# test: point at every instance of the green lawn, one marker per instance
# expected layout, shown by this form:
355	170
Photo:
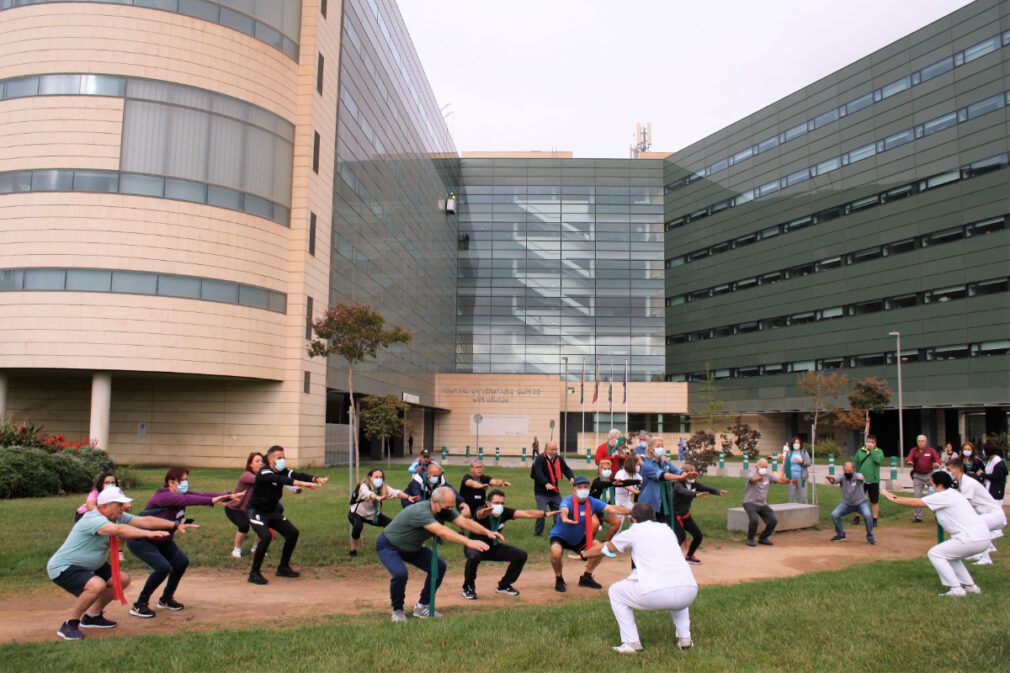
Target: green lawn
882	618
321	516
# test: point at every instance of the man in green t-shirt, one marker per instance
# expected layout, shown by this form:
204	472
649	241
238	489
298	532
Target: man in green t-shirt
867	461
402	542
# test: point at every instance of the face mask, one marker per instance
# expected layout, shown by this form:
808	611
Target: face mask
183	486
796	445
581	494
849	475
660	452
606	474
497	509
434	480
279	464
377	482
762	471
967	452
691	481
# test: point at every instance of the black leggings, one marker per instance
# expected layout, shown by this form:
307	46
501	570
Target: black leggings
358	523
685	525
261	524
239	518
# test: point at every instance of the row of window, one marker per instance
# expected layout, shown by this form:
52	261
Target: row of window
918	77
966	172
932	354
141	282
939	237
907	300
273	22
115	182
892	141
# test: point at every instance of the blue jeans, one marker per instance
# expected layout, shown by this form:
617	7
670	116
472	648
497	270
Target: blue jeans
844	510
166	560
395	562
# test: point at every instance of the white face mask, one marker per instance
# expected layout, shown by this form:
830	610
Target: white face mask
660	452
606	474
796	445
582	494
966	452
377	482
762	471
497	509
434	481
691	481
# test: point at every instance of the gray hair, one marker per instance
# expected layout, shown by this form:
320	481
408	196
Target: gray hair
442	493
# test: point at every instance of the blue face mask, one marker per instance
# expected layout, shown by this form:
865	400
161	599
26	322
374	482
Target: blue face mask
279	465
183	486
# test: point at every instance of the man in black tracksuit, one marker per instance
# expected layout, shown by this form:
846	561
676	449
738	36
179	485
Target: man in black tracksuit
684	493
547	470
265	511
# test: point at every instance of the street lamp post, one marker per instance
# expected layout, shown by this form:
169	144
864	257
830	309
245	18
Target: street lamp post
564	437
901	403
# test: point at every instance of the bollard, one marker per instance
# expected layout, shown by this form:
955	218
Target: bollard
444	454
524	455
497	455
746	463
831	464
434	575
894	471
722	460
589	456
775	463
480	453
468	453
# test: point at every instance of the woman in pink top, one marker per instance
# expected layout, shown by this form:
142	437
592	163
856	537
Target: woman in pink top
235	511
104	479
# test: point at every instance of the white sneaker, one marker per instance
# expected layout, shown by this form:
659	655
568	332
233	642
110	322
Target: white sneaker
984	560
628	648
253	550
399	616
973	588
685	643
423	612
956	592
237	552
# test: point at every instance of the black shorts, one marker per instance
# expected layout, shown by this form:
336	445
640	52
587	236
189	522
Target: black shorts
238	518
565	544
872	492
74	578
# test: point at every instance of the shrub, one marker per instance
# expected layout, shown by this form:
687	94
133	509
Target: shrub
701	451
74	474
96	460
27	473
126	477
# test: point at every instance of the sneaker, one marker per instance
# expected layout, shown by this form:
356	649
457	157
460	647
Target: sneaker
628	648
287	571
559	585
399	616
693	559
856	520
141	610
916	520
98	622
984	561
169	604
968	588
69	630
871	540
252	550
236	552
685	643
586	580
508	589
352	553
751	542
875	523
838	538
765	541
956	592
469	593
257	578
424	612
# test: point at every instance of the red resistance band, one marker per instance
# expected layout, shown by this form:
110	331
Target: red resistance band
554	471
117	580
588	516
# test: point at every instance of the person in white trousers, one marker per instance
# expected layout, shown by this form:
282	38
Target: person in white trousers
984	505
660	580
969	535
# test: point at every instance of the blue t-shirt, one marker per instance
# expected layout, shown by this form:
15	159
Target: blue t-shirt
84	546
651	474
574	533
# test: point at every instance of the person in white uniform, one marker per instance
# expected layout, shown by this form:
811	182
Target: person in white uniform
983	503
660	580
969	535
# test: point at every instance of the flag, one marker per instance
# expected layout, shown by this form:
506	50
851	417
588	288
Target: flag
610	385
596	385
582	384
625	381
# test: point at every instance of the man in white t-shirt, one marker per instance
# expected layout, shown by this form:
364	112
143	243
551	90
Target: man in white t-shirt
660	580
987	507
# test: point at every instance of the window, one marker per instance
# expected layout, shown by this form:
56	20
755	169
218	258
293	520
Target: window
829	263
988	287
986	106
984	227
831	363
861	153
748	372
315	151
981	49
768	188
89	280
946	294
57	85
871	360
937	69
745	284
52	181
776	323
827	166
45	279
898	193
898	247
745	240
990	348
11	279
828	214
219	290
831	313
801	270
802	318
802	366
134	282
796	131
859	103
867	307
826	118
945	236
720	289
178	286
940	180
984	166
748	327
308	318
766	145
320	66
797	177
903	301
141	185
896	87
948	352
743	155
312	234
307	383
771	278
898	139
939	124
95	181
718	166
770	232
21	87
863	204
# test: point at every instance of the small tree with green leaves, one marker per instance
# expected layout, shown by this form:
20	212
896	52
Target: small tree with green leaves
701	450
383	417
869	395
354	332
822	390
746	438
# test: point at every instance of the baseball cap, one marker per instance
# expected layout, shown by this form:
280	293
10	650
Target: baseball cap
112	494
425	452
580	480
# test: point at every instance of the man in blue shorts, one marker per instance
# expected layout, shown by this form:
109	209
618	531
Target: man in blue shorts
579	518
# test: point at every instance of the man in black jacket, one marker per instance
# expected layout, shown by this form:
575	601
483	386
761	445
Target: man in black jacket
546	472
265	512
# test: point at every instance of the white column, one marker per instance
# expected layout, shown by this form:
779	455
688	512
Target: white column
101	401
3	396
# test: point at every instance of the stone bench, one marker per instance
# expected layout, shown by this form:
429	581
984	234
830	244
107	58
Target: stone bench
791	516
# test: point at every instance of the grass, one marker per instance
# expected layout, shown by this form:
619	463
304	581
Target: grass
879	618
320	515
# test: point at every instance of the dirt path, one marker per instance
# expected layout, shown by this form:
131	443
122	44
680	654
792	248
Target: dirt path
224	600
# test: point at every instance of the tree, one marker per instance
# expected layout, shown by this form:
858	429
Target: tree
821	390
354	332
382	417
746	438
867	395
701	451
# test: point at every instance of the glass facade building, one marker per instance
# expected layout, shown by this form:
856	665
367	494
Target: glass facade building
560	259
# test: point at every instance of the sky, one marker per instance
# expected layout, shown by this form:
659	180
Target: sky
519	75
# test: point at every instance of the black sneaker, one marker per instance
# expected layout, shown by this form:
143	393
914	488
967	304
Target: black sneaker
170	604
751	542
693	559
469	593
587	581
141	610
353	552
874	523
99	622
838	538
287	571
508	589
856	519
70	630
765	541
257	578
559	585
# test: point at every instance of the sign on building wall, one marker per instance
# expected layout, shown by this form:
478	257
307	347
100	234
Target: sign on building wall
501	425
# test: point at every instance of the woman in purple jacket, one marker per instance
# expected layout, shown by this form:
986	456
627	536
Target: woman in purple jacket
162	554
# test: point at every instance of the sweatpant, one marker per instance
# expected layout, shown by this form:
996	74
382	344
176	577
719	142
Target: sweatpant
166	560
767	515
261	524
626	597
682	526
798	491
545	503
844	509
514	556
948	560
395	561
920	484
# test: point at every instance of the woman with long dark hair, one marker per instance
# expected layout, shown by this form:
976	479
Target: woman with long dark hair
235	510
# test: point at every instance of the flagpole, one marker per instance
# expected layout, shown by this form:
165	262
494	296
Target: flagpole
582	402
627	427
596	401
610	393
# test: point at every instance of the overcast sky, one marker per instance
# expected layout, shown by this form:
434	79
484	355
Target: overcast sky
578	74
